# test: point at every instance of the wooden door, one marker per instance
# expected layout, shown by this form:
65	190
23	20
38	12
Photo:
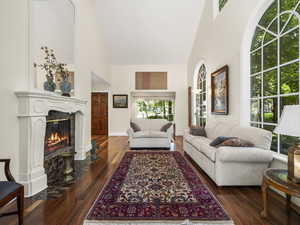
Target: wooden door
99	113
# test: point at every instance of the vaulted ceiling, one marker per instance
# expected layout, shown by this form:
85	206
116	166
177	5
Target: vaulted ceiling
149	31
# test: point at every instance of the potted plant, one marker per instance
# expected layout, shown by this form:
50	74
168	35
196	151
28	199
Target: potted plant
50	68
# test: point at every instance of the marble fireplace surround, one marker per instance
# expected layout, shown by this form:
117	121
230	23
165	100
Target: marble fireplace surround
32	111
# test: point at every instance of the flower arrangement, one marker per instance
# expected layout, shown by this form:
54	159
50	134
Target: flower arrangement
51	66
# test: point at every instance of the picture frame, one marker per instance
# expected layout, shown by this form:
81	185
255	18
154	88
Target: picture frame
220	91
120	101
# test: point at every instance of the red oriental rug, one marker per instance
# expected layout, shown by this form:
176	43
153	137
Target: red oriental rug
156	188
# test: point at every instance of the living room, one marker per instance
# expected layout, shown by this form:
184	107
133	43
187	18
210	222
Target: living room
150	112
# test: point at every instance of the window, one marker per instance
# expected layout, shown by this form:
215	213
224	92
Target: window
200	113
155	109
275	68
222	3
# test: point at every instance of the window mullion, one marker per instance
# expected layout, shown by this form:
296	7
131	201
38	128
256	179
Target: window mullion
278	76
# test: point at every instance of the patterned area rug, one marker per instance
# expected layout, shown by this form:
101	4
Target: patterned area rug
156	188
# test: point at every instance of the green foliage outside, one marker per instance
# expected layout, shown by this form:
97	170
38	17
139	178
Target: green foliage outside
272	64
155	109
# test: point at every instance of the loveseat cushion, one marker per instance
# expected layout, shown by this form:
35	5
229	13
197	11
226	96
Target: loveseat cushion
202	145
7	187
243	154
150	134
188	137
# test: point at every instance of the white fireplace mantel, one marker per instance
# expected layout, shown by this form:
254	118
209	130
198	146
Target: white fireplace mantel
32	112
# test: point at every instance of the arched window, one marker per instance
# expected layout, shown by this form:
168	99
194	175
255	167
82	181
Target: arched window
200	113
275	68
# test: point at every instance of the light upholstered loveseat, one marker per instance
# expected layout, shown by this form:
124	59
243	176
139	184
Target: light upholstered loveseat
150	135
231	166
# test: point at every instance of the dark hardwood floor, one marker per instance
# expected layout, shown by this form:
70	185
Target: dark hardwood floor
243	204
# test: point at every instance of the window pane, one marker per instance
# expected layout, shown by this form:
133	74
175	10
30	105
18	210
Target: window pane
287	5
204	86
270	110
255	111
274	26
289	47
289	78
283	19
257	39
268	37
270	55
288	100
256	86
270	83
269	15
274	145
286	142
292	23
256	61
255	125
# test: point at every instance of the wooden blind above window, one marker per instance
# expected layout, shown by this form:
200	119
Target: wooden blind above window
151	80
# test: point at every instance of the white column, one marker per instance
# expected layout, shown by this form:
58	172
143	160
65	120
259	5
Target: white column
32	135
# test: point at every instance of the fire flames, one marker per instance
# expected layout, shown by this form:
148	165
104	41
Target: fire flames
55	139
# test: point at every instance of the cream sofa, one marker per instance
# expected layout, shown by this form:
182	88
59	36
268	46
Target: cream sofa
231	166
150	136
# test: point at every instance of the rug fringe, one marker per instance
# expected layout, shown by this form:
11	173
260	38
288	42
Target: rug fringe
186	222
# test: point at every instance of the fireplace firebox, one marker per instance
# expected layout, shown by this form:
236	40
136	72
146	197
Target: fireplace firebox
59	139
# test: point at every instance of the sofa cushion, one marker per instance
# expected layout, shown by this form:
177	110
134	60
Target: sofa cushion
244	154
198	131
135	127
236	142
150	124
202	145
259	137
219	140
150	134
210	128
166	127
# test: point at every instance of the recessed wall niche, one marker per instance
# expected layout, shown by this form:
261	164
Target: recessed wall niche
52	25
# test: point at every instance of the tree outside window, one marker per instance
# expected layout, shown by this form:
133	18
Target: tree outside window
275	68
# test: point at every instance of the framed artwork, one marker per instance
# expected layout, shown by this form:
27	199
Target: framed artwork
120	101
219	92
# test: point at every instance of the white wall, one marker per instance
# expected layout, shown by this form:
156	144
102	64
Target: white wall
89	54
13	75
123	82
53	24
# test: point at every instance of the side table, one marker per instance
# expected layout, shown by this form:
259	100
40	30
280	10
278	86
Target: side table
278	179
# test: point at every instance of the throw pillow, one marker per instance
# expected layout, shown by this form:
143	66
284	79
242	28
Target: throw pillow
236	142
166	127
198	131
135	127
219	140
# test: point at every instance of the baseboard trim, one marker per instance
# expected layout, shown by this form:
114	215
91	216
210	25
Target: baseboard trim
118	134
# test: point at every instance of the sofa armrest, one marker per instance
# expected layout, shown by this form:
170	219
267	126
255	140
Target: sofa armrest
243	154
130	133
171	133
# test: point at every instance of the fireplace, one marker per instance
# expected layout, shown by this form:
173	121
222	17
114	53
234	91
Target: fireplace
59	138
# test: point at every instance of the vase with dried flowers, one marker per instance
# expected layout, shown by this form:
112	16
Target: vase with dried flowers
50	67
65	85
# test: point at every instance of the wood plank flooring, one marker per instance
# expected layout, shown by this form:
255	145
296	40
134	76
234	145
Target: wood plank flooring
243	204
